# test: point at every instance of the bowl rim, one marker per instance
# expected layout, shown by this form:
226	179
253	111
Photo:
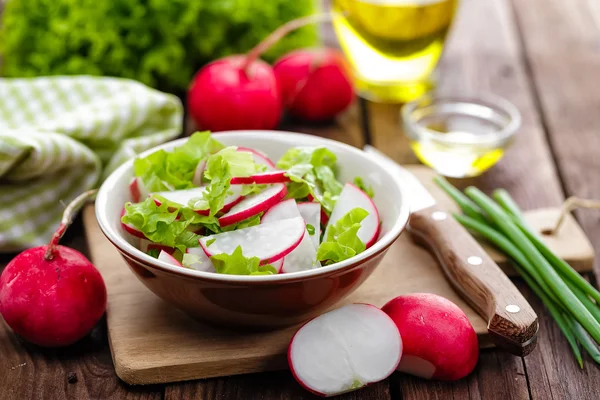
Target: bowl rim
132	252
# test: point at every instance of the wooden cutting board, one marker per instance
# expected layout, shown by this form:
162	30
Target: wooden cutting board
152	342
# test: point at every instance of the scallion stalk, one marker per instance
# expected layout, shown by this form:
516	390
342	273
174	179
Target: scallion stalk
586	342
466	205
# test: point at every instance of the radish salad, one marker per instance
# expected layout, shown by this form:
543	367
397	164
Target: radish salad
233	210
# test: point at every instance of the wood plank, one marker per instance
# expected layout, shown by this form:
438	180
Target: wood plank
483	55
569	102
30	372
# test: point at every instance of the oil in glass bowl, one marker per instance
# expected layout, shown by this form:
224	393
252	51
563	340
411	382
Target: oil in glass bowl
460	137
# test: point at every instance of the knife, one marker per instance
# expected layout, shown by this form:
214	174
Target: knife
512	323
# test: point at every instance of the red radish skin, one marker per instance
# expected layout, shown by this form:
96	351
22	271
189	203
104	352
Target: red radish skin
147	245
259	158
168	258
439	341
52	295
228	95
132	230
355	320
315	85
264	178
251	205
138	190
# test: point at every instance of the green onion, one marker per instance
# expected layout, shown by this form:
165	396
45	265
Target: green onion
506	201
585	300
465	204
506	224
586	342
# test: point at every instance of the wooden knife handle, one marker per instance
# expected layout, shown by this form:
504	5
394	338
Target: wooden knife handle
512	323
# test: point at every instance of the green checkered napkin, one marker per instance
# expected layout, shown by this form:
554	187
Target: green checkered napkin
60	136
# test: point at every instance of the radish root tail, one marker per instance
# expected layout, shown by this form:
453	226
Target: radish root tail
280	32
67	218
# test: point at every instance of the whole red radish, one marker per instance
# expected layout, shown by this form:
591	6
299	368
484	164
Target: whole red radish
241	91
438	340
315	85
52	295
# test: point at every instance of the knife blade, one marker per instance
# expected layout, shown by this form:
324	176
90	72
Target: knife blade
512	323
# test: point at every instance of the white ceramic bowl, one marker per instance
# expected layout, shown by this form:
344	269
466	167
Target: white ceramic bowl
264	300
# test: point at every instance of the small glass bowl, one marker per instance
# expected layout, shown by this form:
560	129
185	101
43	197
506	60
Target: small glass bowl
460	137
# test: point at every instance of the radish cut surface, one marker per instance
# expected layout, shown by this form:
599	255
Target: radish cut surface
254	204
345	349
166	257
259	158
182	197
202	263
198	172
283	210
263	178
304	257
268	242
138	190
311	212
352	197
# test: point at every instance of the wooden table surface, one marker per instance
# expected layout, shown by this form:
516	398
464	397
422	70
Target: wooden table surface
543	55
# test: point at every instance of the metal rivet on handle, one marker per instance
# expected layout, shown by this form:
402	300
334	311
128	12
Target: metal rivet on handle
474	260
439	215
512	308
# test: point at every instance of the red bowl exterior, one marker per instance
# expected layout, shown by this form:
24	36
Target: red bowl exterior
261	305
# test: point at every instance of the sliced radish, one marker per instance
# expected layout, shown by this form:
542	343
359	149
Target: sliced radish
324	216
202	263
184	196
352	197
259	157
304	257
254	204
311	212
268	242
132	230
166	257
282	210
345	349
138	190
278	265
147	245
198	172
263	178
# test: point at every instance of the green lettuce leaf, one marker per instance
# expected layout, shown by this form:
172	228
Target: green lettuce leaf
342	241
161	225
312	171
174	170
236	264
358	181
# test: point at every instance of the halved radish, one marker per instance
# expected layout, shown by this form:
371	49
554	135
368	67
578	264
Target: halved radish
254	204
132	230
138	190
283	210
345	349
166	257
198	172
202	262
184	196
352	197
304	257
311	212
268	242
259	157
147	245
263	178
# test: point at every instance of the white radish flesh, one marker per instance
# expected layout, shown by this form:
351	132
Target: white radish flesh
263	178
166	257
345	349
198	172
311	212
268	242
183	197
138	190
259	158
278	265
201	261
254	204
352	197
303	258
282	210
